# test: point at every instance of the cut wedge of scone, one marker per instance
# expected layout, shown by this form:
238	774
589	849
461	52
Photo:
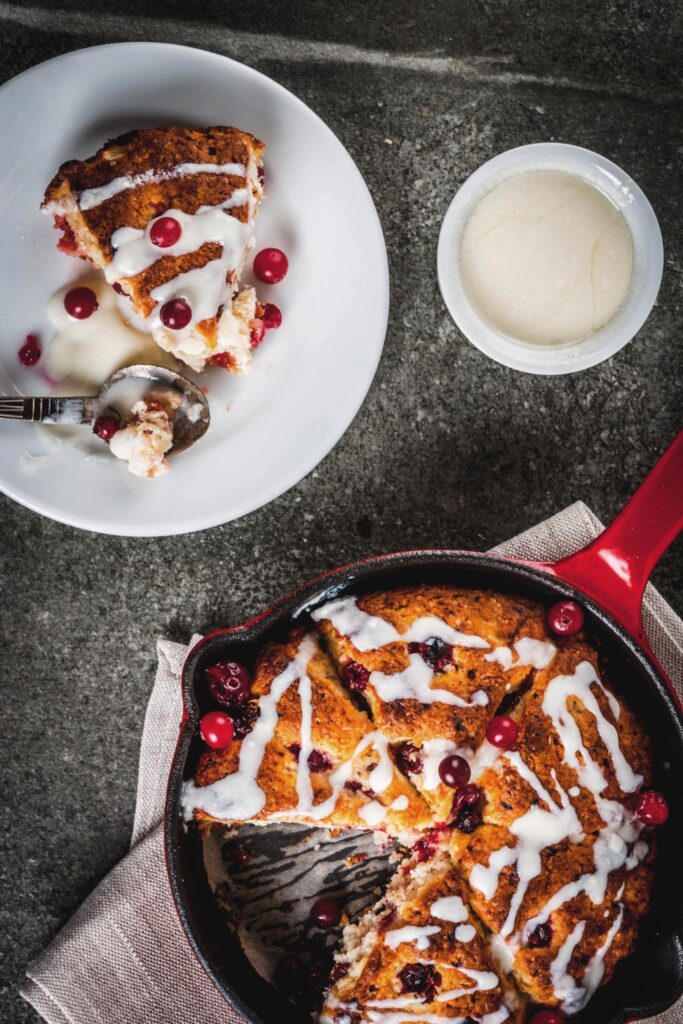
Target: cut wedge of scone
311	755
419	956
563	915
433	664
168	214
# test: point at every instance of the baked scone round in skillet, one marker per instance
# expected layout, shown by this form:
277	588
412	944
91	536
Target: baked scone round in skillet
547	853
114	209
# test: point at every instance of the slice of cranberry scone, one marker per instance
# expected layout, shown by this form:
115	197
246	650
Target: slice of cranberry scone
168	214
434	663
419	955
563	915
306	755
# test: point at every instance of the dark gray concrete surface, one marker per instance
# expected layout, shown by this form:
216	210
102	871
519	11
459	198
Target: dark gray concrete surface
449	448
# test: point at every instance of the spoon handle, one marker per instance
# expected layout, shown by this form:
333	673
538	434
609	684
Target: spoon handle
47	410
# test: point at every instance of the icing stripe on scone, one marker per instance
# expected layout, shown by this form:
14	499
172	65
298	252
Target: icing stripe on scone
92	197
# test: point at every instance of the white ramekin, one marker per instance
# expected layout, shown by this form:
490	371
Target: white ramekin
648	256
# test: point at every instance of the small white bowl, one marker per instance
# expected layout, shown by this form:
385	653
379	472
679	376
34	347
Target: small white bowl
648	259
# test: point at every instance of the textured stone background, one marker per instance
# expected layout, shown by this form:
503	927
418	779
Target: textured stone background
449	448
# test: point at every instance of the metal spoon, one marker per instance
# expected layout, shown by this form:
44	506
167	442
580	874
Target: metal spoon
86	410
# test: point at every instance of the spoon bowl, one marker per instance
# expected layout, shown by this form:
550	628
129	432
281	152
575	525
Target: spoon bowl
191	418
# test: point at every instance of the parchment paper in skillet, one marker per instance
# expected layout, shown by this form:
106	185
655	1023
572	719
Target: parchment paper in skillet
266	881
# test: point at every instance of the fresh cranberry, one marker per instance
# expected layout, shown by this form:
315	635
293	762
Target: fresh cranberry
468	820
502	731
355	676
325	914
435	652
217	730
222	359
80	303
540	936
319	761
229	683
387	919
467	796
257	333
408	759
244	718
175	314
30	351
67	243
423	979
272	317
650	807
105	427
270	265
548	1017
340	970
454	771
565	618
425	848
165	232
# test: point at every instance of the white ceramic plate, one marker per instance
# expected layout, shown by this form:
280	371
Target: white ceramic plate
309	377
648	258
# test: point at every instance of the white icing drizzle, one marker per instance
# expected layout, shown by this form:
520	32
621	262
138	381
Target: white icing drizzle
535	830
484	982
596	968
370	632
238	796
555	705
135	252
449	908
428	626
366	632
411	933
465	933
536	653
373	812
564	985
92	197
413	683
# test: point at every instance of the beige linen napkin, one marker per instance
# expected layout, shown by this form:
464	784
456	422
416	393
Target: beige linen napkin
123	958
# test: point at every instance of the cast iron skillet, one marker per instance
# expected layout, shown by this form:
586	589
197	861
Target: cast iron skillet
608	577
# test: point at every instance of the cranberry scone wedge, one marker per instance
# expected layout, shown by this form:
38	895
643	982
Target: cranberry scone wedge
168	215
419	956
434	663
303	753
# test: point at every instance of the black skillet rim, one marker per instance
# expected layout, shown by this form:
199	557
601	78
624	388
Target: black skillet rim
264	1005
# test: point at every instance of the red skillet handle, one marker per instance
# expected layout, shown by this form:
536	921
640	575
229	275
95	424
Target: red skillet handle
614	568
